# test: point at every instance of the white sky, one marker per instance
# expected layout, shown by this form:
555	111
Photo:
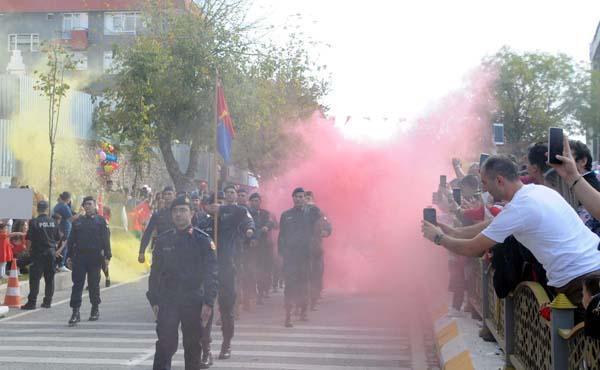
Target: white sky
395	58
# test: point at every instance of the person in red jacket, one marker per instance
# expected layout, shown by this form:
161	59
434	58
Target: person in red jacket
6	254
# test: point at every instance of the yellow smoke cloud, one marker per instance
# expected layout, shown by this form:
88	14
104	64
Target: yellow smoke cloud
74	171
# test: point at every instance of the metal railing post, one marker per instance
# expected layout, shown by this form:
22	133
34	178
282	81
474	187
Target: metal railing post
562	318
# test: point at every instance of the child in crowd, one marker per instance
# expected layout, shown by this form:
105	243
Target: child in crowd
18	243
5	249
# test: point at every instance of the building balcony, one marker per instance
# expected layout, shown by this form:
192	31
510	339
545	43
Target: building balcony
76	39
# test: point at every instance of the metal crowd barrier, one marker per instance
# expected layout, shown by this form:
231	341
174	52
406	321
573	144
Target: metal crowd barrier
529	341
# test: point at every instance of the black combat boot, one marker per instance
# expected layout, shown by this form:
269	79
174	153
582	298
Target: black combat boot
288	318
28	306
47	303
303	314
75	317
95	313
225	350
207	359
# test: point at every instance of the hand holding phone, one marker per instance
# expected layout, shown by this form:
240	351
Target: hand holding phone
442	181
555	144
457	195
482	158
429	215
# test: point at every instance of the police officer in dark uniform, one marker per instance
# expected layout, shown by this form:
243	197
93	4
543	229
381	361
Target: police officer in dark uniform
317	261
89	248
234	222
42	238
296	233
262	246
205	222
201	218
182	287
160	221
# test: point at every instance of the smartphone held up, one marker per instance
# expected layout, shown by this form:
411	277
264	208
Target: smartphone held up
555	144
429	215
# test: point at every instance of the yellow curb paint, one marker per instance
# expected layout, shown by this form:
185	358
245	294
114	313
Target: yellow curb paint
439	312
460	362
446	334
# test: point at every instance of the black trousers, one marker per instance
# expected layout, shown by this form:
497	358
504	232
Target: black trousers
316	277
86	265
41	265
227	296
167	327
264	269
296	274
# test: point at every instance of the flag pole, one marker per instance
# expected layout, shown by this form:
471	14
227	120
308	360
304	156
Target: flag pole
215	165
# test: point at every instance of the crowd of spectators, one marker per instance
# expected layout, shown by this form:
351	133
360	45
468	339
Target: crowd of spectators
532	220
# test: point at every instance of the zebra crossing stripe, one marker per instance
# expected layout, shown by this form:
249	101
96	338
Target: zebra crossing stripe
147	353
278	343
217	364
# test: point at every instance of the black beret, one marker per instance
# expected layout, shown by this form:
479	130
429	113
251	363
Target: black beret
42	205
242	190
254	196
168	188
220	195
194	195
181	201
297	190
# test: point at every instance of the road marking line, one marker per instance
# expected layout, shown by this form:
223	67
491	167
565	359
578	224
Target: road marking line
239	333
218	364
68	299
149	352
246	326
30	339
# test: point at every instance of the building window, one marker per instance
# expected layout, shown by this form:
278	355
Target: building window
121	23
81	61
50	16
74	22
24	42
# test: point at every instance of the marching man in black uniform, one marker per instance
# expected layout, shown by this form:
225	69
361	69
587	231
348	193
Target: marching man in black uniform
234	222
182	288
88	249
159	223
262	246
296	235
42	238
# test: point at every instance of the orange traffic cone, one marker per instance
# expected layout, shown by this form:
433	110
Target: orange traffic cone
13	291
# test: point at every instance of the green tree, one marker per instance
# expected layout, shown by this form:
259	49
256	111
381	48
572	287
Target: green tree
163	90
51	84
535	91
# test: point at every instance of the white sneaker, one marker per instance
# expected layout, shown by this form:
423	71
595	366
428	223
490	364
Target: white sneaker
64	269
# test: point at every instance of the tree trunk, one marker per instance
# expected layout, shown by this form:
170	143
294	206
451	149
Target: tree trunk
180	180
51	171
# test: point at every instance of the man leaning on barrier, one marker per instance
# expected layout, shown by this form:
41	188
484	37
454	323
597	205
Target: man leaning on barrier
539	218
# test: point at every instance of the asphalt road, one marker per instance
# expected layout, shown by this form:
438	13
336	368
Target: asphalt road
347	332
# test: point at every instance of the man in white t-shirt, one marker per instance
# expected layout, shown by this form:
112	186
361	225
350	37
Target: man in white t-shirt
539	218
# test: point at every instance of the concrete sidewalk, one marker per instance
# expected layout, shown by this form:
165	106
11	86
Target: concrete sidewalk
62	281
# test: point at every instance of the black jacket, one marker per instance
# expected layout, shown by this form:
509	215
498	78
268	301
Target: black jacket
43	234
184	268
297	232
234	220
90	234
160	221
513	263
204	222
262	218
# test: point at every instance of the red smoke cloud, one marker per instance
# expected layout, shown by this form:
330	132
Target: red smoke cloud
374	192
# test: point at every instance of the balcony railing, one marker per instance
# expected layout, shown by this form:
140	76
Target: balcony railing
529	341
